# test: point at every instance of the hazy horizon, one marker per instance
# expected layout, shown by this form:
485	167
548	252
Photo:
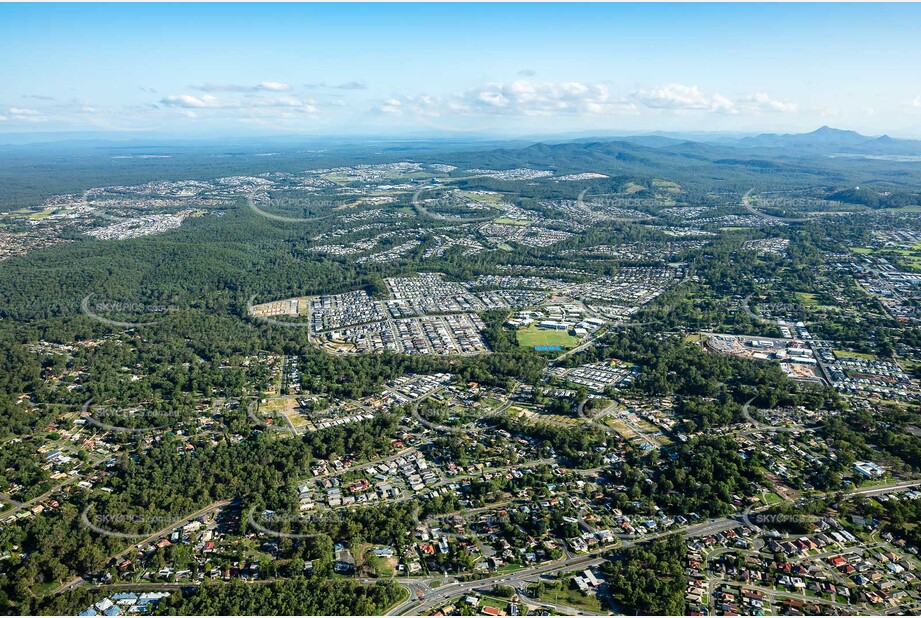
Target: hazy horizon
139	138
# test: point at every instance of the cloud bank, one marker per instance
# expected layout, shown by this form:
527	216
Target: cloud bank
529	98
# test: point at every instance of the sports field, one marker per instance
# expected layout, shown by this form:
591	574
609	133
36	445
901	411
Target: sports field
532	336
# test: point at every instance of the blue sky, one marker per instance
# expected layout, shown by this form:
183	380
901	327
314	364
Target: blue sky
215	69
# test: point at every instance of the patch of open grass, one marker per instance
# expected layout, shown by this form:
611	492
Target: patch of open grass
564	595
487	600
534	336
633	187
43	214
807	299
279	405
489	198
668	185
860	355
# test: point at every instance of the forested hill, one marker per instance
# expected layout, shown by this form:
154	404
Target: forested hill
31	173
690	163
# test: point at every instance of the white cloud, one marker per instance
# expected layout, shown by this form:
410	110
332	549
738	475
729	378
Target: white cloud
3	118
306	106
250	105
23	111
492	99
187	100
518	98
722	104
916	102
392	106
530	98
26	114
678	97
274	86
260	87
760	102
289	101
682	98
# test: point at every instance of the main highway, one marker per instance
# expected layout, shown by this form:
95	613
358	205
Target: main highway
424	598
429	593
433	598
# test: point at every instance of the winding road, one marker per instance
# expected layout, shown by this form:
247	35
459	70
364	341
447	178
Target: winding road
746	204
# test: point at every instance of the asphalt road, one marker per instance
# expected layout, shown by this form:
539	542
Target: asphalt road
429	593
435	597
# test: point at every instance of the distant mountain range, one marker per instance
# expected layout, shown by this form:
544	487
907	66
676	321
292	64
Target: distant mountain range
827	140
823	142
826	157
